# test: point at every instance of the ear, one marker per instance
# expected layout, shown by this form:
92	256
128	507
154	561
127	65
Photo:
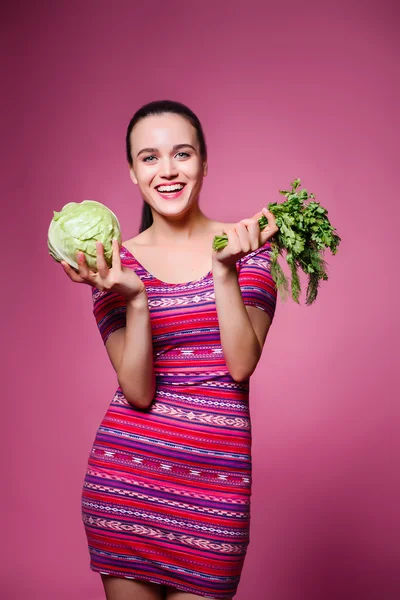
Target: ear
205	168
132	175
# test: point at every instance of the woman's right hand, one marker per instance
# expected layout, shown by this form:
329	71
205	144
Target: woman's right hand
118	279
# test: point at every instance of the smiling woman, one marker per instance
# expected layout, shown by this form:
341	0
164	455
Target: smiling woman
166	494
177	147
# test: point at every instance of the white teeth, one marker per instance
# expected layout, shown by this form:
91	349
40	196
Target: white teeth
170	188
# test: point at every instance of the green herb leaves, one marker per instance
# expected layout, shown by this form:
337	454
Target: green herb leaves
304	233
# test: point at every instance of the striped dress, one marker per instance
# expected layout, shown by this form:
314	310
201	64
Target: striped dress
166	494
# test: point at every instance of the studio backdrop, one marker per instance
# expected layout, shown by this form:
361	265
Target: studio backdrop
283	90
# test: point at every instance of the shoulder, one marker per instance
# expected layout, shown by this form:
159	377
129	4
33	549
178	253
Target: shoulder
258	259
143	239
219	227
137	240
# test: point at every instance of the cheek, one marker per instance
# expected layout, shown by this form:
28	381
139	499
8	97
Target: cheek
145	174
194	171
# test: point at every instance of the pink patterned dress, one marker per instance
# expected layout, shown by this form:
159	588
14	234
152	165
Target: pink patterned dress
166	495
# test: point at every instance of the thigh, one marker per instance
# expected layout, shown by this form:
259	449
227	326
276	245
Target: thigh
121	588
174	594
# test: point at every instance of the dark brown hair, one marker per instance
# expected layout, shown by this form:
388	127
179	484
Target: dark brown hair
160	107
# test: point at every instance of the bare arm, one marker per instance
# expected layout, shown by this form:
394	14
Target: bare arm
129	346
243	330
131	353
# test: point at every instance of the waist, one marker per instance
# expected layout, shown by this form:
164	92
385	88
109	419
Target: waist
197	377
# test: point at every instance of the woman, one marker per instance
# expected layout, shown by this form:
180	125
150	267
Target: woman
166	496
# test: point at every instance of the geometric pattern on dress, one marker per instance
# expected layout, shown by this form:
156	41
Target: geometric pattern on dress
166	493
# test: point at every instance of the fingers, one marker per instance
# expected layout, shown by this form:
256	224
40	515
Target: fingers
257	215
233	241
243	236
271	229
102	266
253	233
249	233
86	274
72	274
116	258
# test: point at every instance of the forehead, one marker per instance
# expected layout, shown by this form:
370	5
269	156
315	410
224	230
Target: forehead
162	130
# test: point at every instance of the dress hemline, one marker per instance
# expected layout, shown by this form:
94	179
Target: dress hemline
178	586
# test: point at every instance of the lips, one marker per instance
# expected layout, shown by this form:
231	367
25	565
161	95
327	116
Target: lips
170	191
166	188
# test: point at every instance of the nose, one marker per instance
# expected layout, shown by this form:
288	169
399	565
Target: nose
168	168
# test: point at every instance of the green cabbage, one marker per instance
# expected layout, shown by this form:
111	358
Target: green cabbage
77	227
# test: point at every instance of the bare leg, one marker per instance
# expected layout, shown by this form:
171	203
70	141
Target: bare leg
121	588
173	594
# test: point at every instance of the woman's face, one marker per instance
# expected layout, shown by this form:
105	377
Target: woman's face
167	165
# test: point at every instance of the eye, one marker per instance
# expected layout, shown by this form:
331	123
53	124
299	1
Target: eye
147	159
183	154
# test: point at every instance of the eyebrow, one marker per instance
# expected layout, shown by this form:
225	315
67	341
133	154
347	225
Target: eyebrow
176	147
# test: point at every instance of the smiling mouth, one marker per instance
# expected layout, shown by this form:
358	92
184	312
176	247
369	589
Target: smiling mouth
170	189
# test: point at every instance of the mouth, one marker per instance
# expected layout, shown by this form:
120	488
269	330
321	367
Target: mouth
170	191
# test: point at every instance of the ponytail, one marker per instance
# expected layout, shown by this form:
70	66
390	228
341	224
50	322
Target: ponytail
147	217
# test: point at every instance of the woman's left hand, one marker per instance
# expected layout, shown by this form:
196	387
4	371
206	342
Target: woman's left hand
245	237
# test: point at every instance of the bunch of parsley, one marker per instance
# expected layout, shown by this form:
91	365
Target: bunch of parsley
304	233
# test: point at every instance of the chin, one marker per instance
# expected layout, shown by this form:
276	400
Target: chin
172	206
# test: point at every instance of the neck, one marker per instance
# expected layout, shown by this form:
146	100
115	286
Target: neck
167	230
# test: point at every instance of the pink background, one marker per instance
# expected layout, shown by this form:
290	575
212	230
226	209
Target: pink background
284	90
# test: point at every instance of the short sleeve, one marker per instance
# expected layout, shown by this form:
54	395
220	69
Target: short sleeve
255	280
109	310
